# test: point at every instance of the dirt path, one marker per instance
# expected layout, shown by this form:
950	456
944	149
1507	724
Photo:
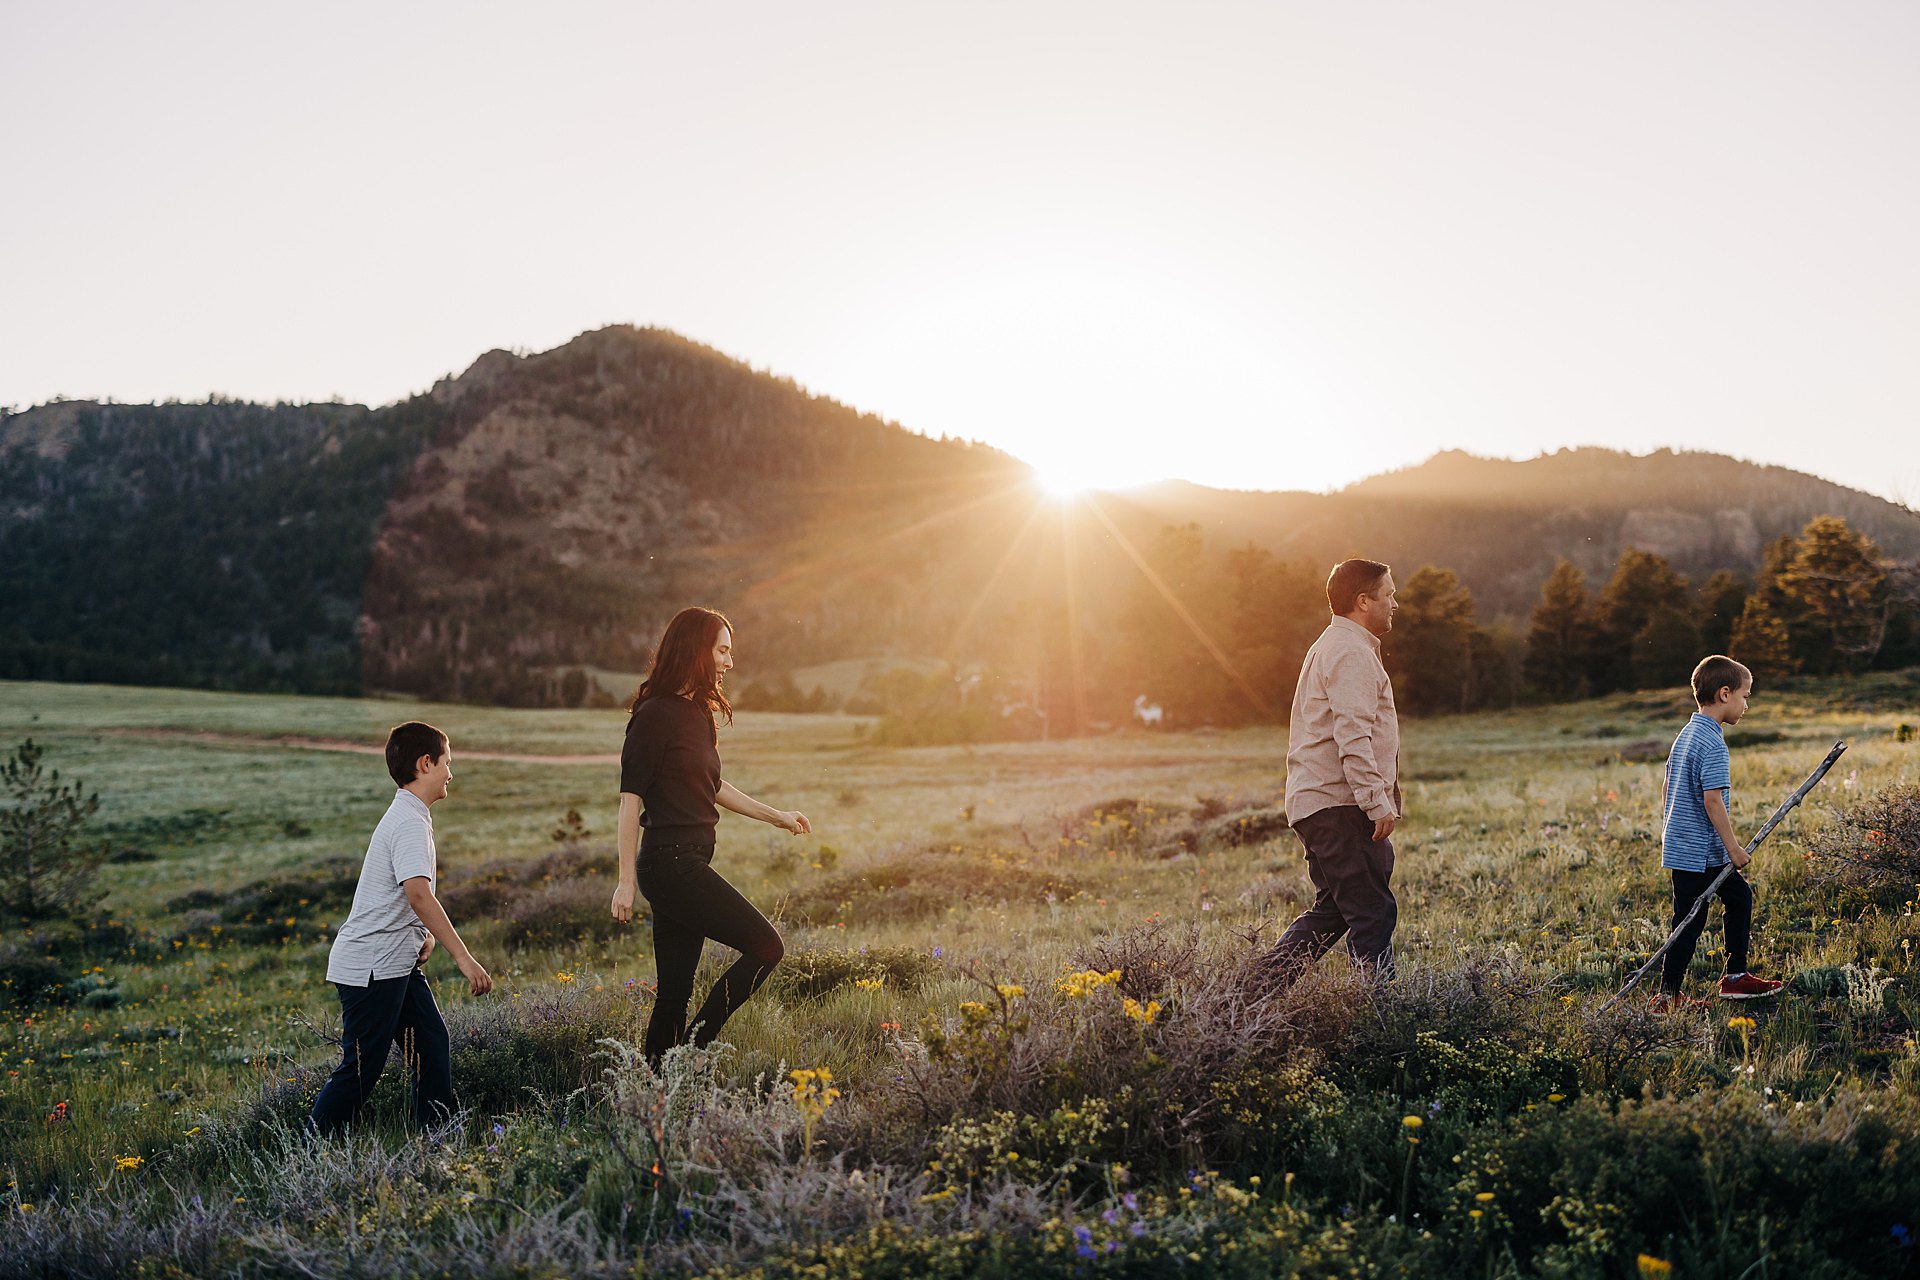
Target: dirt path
294	742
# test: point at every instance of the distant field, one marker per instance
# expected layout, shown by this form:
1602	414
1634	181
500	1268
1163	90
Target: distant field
1529	838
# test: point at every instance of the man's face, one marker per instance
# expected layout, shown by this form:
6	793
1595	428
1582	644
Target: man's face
432	779
1376	607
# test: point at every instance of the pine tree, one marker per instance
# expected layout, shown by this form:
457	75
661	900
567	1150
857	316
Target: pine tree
1721	599
1559	641
44	870
1642	584
1837	578
1429	650
1760	641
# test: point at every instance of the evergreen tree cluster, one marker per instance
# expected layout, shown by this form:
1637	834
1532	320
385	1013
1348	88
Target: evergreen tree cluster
1825	601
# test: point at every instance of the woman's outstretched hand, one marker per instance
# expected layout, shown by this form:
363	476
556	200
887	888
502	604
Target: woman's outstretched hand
795	821
623	902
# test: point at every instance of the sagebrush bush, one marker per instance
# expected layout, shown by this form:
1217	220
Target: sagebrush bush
293	904
565	911
1871	853
807	972
1714	1182
552	900
925	882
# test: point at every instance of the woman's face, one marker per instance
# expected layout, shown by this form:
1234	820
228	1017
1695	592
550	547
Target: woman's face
722	654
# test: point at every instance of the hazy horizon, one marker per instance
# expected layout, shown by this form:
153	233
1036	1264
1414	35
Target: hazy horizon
1275	247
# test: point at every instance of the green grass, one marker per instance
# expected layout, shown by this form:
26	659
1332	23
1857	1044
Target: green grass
1530	839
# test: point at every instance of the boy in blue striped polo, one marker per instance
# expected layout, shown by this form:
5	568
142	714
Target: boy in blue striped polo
1697	837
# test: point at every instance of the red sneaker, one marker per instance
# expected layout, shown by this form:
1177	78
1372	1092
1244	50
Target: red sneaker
1748	987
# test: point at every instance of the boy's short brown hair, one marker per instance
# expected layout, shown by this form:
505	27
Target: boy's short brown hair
406	743
1715	673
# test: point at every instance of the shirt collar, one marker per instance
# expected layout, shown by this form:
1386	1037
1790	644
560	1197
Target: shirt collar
1357	629
402	796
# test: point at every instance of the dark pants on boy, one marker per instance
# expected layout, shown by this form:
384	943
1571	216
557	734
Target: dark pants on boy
1350	872
372	1018
1738	900
691	902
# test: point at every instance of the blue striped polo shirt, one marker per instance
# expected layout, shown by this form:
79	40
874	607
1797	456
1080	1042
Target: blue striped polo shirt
1698	764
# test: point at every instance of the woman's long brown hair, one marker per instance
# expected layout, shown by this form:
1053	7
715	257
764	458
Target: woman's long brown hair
683	664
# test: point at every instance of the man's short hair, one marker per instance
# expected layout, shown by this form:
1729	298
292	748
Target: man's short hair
1715	673
407	743
1350	580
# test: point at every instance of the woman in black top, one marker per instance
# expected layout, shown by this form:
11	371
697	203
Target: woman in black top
670	787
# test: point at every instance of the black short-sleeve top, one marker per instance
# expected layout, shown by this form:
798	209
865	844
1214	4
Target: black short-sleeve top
672	762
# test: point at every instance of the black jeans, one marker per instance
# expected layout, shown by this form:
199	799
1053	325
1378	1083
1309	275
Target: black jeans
372	1018
691	903
1738	898
1350	872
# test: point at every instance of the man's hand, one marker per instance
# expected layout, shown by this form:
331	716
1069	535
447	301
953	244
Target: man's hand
623	902
426	949
796	822
1383	827
478	979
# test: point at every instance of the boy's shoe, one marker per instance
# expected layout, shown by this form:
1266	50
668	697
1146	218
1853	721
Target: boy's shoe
1674	1002
1748	987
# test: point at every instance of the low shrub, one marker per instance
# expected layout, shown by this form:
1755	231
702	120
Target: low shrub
927	882
562	912
1871	853
807	973
313	898
555	899
30	978
1716	1182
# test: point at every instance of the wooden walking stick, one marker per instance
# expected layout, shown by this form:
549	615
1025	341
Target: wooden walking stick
1700	903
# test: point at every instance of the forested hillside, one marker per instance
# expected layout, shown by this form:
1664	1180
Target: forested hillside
220	544
543	514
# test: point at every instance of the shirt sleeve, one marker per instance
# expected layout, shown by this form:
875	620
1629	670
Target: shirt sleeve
412	852
641	754
1353	696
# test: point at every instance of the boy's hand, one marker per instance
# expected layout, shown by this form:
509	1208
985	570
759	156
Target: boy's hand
1741	858
426	949
478	979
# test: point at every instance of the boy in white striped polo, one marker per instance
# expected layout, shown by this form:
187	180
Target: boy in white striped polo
1697	836
379	950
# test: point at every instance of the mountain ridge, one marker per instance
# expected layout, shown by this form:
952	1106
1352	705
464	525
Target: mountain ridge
549	510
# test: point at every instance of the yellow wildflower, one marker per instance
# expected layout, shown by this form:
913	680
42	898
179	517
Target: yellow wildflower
1412	1122
128	1164
1144	1014
1653	1267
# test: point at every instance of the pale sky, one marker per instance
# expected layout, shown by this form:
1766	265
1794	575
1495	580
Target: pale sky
1264	245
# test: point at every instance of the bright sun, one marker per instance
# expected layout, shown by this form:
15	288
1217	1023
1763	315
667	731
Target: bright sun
1059	485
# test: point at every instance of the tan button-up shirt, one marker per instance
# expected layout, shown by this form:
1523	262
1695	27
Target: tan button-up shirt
1343	738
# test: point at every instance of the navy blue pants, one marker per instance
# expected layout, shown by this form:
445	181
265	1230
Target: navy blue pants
691	903
1350	872
373	1018
1737	896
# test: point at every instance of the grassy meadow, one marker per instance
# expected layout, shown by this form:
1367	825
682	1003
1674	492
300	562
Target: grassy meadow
1031	970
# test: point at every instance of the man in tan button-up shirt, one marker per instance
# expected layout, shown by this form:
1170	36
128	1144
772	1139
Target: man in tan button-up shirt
1343	777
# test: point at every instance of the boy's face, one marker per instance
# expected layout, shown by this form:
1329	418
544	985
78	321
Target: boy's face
432	779
1732	703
